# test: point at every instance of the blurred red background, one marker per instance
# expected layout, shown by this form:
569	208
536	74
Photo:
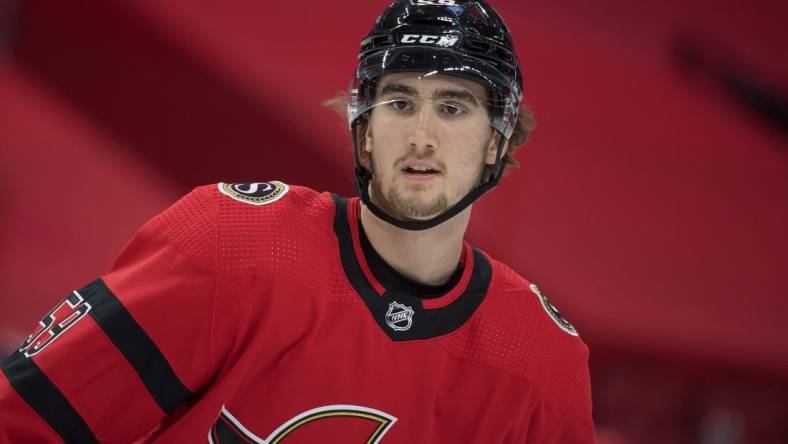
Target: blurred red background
651	205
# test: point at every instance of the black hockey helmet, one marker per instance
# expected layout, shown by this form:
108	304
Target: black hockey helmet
461	38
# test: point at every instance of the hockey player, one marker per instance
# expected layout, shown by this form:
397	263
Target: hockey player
269	313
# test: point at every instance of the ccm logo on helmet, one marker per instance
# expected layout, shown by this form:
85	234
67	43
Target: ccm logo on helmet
439	40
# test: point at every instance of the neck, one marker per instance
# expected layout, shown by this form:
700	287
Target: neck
429	256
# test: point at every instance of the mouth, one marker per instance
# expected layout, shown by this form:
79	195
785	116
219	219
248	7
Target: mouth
420	172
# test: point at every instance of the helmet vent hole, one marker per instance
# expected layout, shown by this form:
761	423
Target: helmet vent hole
479	14
379	41
382	40
477	46
504	55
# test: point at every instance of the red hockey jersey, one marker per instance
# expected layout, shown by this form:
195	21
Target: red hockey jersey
248	313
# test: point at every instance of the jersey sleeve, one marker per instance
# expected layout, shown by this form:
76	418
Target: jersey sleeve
570	429
112	360
567	419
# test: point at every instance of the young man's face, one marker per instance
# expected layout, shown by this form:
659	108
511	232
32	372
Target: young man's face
429	141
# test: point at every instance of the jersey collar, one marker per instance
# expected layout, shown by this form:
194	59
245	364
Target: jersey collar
404	316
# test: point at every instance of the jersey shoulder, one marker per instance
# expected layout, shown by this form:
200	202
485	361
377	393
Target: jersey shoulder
231	227
506	280
517	330
270	199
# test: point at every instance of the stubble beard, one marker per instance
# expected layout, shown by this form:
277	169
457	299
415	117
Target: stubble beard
412	207
407	205
415	208
404	207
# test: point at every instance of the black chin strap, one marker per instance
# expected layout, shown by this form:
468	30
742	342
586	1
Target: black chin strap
364	175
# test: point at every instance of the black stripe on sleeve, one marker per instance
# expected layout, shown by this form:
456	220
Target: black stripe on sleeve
41	394
223	432
139	349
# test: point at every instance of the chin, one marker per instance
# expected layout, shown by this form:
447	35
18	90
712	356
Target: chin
417	208
417	216
409	204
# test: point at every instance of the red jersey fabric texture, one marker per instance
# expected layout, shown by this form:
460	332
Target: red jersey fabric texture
233	321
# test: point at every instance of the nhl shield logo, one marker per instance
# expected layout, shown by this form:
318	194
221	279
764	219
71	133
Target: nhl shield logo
399	317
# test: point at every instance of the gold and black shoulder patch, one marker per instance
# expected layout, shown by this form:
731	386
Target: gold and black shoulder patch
554	313
255	193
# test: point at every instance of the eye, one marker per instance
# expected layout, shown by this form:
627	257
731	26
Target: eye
399	105
452	110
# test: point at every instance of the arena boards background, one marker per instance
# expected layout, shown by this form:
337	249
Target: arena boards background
651	204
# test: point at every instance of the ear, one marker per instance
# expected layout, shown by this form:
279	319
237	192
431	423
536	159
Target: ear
492	149
365	150
368	141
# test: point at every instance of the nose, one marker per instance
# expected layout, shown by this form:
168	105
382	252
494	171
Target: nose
422	135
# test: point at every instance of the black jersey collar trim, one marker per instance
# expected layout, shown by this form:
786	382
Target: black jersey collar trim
391	278
382	302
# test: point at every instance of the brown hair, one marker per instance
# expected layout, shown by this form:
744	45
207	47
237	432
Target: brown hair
522	129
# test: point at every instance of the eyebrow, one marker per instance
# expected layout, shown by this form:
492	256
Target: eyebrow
456	94
392	88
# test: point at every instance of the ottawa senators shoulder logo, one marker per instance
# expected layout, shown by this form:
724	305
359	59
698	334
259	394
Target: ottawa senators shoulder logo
554	313
348	424
255	193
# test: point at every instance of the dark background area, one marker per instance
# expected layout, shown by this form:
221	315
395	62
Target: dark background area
651	204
